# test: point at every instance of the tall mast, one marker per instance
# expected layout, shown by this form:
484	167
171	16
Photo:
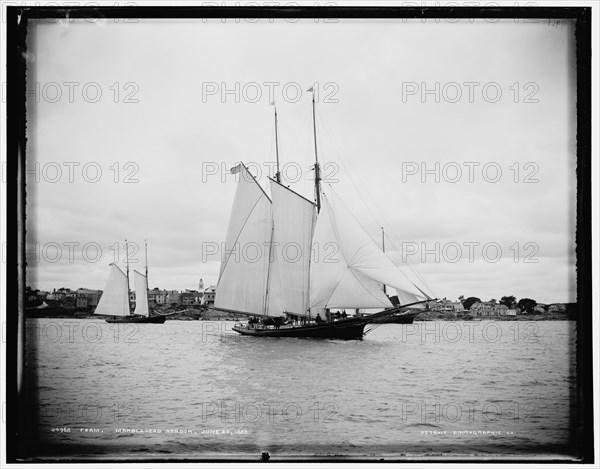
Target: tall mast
147	287
146	250
317	167
127	263
266	308
383	246
277	174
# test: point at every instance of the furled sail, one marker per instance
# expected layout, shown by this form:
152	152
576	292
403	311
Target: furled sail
294	220
245	264
115	298
141	294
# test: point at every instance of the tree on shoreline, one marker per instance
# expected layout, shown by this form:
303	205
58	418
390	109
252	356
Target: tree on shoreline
470	302
508	301
527	305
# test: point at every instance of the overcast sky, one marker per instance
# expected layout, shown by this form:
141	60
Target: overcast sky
162	111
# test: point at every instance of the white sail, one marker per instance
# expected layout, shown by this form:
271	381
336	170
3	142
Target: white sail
359	291
334	283
244	273
275	305
294	220
141	294
115	297
363	254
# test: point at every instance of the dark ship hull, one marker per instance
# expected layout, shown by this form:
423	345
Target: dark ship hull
345	329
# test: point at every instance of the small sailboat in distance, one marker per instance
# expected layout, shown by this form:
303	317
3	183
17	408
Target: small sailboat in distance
288	291
114	301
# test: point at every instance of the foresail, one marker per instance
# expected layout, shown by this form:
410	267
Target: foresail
294	220
357	291
333	281
244	273
141	294
115	297
363	254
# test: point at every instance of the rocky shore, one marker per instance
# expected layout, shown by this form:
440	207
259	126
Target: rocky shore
438	316
174	312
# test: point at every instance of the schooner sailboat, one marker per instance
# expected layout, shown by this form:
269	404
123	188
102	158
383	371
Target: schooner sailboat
289	261
115	297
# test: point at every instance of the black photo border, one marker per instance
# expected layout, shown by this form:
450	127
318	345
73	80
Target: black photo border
17	436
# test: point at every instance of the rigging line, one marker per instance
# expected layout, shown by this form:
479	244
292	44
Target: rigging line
385	223
294	143
267	289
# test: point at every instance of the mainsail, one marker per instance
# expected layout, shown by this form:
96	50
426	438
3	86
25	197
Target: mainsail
246	262
115	298
294	220
141	294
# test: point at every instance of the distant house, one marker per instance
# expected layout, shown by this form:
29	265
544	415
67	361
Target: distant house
173	297
187	298
446	306
489	308
554	308
157	296
209	296
195	295
86	297
484	308
511	312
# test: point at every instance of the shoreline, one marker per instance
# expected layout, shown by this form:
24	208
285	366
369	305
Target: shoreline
202	314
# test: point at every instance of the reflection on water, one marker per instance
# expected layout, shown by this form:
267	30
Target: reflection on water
196	388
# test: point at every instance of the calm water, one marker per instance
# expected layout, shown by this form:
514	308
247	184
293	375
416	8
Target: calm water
418	390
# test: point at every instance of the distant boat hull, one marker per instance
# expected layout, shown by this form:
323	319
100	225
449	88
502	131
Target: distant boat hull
138	319
345	329
36	304
399	318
